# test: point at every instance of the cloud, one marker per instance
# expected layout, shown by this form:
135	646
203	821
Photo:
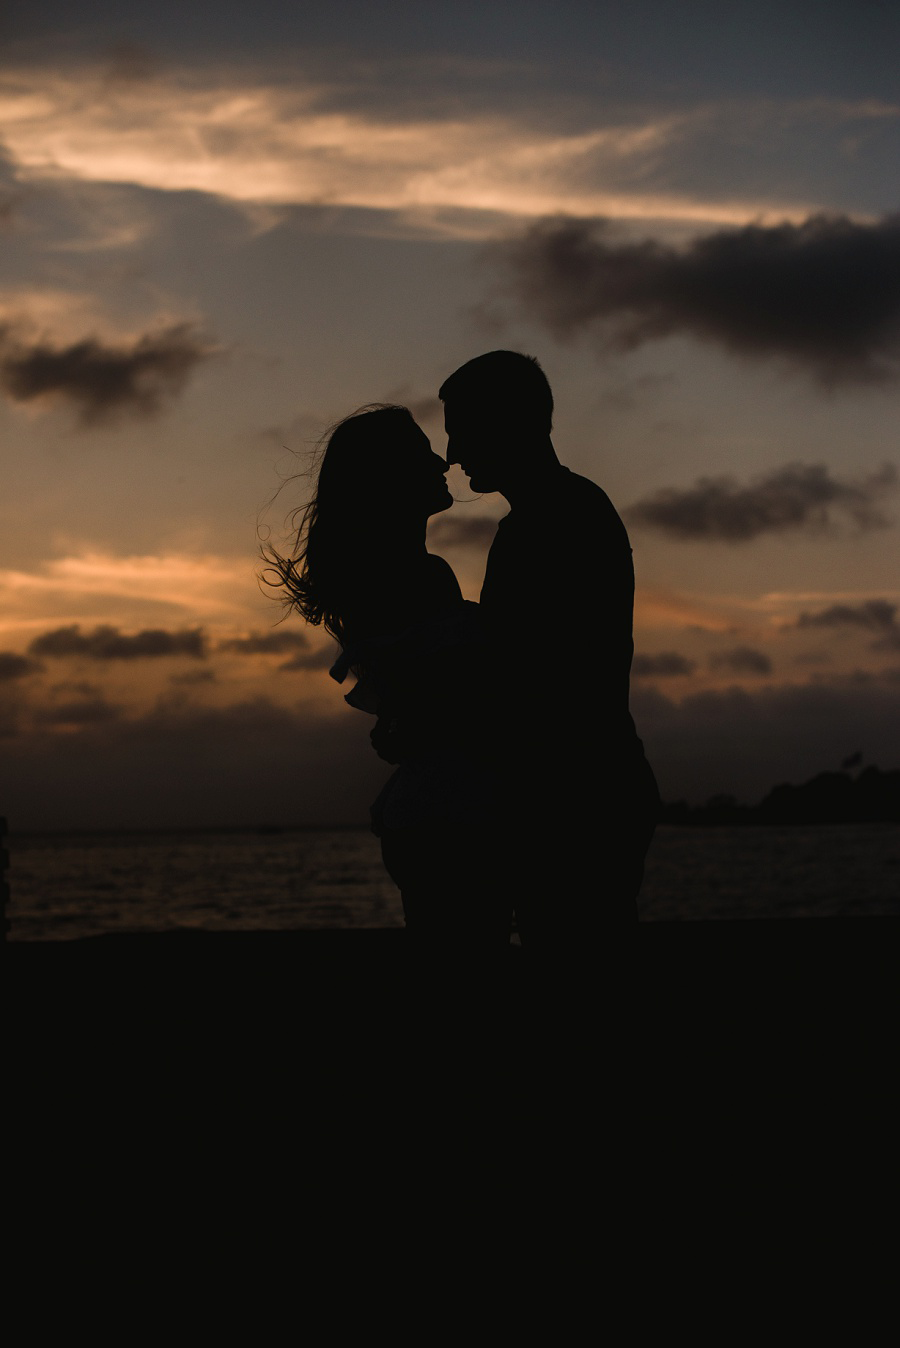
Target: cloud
630	393
667	664
321	139
193	677
739	741
741	660
128	62
305	656
95	584
454	530
657	607
82	712
102	380
244	764
109	643
875	615
812	658
266	643
13	666
798	497
823	294
12	723
257	762
309	661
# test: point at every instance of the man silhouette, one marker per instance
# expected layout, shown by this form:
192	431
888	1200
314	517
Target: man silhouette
579	800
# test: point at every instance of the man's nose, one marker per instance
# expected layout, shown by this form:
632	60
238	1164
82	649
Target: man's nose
452	456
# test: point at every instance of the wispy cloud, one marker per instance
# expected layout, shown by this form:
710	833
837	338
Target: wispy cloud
822	294
310	143
797	497
202	587
665	608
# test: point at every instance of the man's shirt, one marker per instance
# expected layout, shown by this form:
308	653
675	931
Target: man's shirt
557	601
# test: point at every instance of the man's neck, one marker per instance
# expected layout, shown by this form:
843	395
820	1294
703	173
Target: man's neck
540	472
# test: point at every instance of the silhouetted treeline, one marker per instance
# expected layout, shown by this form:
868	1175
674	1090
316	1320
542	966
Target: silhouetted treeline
829	798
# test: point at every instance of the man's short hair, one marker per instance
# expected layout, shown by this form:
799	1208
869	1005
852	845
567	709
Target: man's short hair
505	382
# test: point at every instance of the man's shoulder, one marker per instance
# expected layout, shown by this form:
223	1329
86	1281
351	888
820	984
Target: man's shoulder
580	498
580	488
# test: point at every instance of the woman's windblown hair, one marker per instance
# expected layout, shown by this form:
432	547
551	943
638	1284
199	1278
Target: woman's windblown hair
339	526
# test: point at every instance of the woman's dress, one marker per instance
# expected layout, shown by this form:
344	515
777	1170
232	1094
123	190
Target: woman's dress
436	816
416	682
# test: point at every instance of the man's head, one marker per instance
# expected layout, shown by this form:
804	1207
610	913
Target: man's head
498	412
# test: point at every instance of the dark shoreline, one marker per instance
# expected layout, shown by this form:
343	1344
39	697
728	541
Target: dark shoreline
353	940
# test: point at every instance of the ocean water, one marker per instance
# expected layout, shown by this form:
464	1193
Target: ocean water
69	885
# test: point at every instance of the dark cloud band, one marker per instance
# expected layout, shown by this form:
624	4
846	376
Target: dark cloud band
303	656
266	643
14	666
82	712
824	294
109	643
801	497
875	615
666	664
100	380
742	660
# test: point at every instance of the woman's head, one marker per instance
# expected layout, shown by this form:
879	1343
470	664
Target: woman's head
378	482
378	464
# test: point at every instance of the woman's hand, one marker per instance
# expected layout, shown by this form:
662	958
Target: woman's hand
387	739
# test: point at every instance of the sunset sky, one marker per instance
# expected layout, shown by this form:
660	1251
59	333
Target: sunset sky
224	226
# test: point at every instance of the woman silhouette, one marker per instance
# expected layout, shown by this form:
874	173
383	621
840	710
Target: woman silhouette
361	569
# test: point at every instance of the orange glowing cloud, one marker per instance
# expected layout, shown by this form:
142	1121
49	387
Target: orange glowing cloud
94	585
656	608
259	143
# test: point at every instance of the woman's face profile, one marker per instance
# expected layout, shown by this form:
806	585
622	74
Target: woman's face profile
420	474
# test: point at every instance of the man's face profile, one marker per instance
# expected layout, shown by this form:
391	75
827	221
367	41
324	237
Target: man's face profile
474	445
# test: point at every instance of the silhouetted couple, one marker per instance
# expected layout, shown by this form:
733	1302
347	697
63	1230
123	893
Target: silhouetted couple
520	786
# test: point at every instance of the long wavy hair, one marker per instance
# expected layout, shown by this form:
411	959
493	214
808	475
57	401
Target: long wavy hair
340	525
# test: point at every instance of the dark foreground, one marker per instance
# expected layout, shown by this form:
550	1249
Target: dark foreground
756	1009
715	1066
